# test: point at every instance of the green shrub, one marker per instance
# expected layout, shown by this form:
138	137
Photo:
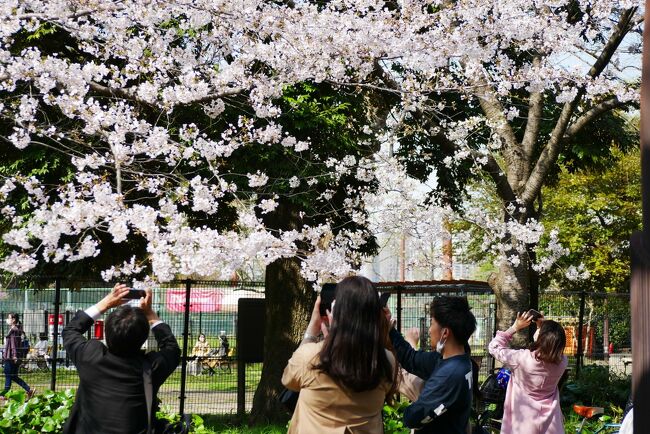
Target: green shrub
572	421
393	416
597	387
197	426
45	413
48	412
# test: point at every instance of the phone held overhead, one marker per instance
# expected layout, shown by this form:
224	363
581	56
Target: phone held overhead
134	294
327	297
535	315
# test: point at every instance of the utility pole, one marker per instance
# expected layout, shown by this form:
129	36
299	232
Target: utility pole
447	250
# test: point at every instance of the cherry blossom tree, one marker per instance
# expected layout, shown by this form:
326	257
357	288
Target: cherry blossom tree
521	83
176	121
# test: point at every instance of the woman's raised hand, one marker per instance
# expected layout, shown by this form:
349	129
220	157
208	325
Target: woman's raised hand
523	320
412	336
315	322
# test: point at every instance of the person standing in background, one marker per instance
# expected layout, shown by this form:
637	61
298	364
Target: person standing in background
11	355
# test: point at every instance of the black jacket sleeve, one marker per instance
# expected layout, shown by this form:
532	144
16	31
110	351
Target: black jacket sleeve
420	363
440	393
74	342
166	359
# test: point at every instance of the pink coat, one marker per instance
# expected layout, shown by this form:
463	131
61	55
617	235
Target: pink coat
532	403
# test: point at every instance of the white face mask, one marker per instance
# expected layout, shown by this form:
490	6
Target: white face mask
9	321
440	346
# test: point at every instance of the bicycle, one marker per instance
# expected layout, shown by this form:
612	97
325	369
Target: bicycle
492	398
589	412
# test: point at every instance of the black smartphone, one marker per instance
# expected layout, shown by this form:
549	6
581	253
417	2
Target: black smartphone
134	294
383	299
536	315
327	297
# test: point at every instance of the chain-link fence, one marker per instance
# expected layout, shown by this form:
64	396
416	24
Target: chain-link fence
206	379
410	303
597	327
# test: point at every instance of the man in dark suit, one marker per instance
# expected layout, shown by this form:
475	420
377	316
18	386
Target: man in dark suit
111	398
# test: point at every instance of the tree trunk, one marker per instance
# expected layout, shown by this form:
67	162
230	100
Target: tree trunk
447	250
511	287
289	302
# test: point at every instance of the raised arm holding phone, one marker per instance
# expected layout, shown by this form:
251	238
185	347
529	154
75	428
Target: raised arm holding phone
344	379
110	398
532	402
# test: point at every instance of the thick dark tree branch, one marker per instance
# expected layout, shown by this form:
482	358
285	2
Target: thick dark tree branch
491	167
533	122
495	113
591	114
552	149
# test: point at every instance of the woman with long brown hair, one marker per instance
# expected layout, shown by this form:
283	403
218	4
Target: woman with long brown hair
532	404
344	379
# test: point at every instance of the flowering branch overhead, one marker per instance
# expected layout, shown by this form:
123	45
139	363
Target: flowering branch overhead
181	125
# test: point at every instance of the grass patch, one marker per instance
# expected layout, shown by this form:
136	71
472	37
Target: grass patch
228	424
221	381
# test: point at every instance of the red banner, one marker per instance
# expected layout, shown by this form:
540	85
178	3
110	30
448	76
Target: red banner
201	300
50	319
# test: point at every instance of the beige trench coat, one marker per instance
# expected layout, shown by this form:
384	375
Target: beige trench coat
325	408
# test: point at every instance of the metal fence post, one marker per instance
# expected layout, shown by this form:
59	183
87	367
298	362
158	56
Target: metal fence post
55	345
186	322
581	322
399	308
45	317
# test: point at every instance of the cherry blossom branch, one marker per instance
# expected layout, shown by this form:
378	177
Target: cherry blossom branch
533	122
552	149
592	114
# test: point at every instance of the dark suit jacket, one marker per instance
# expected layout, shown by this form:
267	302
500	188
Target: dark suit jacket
110	398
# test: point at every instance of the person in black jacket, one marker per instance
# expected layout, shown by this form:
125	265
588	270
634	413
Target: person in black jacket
444	404
110	398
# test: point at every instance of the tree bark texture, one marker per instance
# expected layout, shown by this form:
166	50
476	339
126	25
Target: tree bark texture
511	287
288	306
289	301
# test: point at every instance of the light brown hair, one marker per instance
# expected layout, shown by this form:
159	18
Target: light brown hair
549	346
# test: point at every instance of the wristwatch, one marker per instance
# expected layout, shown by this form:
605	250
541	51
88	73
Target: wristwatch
309	337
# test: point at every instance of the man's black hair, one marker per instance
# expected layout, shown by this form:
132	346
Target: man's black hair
454	313
127	329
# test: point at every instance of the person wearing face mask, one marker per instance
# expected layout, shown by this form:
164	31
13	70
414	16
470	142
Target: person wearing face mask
444	403
10	360
532	404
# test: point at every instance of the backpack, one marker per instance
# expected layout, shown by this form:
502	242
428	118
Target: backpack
23	348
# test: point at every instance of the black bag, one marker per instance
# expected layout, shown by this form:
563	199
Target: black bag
491	391
183	426
288	399
23	348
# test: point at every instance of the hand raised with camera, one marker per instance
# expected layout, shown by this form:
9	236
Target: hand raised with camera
114	298
315	325
523	320
145	305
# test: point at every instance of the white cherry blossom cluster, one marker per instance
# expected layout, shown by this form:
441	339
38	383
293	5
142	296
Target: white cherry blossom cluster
131	59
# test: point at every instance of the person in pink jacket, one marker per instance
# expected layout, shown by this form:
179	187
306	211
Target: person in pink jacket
532	404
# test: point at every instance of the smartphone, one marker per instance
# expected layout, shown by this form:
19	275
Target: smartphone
134	294
536	315
383	299
326	298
